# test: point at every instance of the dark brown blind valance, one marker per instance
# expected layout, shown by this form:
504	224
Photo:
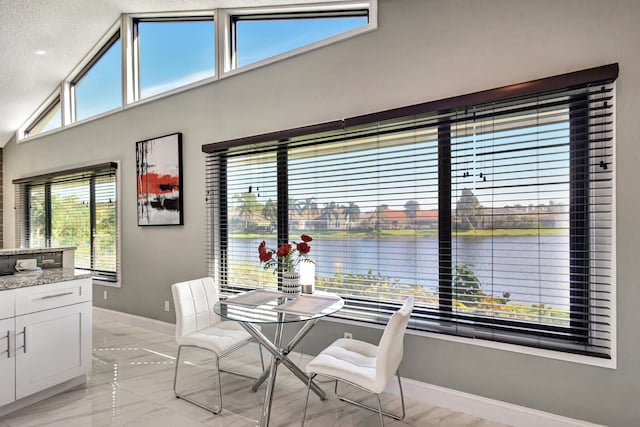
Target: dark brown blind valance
602	74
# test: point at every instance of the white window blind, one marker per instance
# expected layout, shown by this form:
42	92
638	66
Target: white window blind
497	216
72	208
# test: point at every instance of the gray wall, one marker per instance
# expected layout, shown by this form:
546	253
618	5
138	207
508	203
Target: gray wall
423	50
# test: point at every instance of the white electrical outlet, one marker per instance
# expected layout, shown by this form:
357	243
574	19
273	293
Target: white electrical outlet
166	306
348	335
105	294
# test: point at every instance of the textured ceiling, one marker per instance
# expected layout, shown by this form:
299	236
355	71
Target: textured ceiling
65	30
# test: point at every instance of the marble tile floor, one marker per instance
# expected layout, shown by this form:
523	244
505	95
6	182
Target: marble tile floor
131	385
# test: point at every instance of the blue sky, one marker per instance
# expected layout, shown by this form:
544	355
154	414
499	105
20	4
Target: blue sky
258	40
100	90
174	54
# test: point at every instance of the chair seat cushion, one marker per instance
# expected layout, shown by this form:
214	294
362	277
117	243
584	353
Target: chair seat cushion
351	360
218	338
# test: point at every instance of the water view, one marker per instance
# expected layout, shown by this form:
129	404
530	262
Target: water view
531	269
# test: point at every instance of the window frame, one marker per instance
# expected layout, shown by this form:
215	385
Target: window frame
43	110
82	72
229	17
133	60
577	322
123	28
45	181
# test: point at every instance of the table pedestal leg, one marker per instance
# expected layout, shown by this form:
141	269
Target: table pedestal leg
279	356
273	369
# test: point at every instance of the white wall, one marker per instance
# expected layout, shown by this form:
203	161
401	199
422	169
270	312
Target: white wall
423	50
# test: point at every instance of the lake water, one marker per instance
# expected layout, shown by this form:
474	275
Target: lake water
533	269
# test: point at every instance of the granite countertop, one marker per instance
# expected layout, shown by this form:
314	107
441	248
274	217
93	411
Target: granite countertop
43	277
23	251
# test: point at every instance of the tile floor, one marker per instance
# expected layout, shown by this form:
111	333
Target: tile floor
131	385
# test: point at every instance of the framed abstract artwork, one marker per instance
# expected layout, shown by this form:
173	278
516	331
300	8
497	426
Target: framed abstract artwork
159	180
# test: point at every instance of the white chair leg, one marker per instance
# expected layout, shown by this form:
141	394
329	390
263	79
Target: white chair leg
371	408
401	395
261	357
175	372
306	401
219	386
194	402
380	410
203	406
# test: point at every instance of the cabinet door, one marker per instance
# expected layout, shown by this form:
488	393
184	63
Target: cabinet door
7	362
52	346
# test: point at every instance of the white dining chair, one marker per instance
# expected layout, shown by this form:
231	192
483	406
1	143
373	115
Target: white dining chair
364	365
198	326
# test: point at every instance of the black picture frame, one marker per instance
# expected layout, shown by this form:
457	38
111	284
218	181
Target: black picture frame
159	181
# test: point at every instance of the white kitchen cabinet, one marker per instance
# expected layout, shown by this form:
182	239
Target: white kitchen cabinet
7	305
7	362
7	353
52	346
49	332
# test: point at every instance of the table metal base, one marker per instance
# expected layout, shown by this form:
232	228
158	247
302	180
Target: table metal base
279	354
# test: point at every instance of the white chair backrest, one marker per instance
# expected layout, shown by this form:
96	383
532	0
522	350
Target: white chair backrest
391	346
194	300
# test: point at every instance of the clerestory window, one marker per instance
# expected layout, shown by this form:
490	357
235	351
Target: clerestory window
98	86
168	52
173	52
49	119
256	37
496	215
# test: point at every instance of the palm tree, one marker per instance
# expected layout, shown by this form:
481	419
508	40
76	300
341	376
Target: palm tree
247	207
270	211
411	209
351	213
329	213
307	206
380	216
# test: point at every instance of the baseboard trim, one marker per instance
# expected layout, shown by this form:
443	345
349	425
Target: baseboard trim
483	407
134	320
79	381
489	409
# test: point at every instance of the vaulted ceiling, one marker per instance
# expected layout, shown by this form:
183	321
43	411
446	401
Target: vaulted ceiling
42	41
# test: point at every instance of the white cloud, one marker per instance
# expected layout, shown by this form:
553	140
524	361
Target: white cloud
173	84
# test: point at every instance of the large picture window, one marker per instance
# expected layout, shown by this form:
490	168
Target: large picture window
496	216
72	208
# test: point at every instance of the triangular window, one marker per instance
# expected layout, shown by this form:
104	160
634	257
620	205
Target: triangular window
259	37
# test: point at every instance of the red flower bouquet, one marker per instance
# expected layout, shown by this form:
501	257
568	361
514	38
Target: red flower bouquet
287	256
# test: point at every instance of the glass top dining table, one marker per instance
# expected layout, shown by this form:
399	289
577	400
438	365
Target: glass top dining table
269	306
272	306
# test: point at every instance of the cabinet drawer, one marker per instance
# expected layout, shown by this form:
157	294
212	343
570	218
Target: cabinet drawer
6	304
44	297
